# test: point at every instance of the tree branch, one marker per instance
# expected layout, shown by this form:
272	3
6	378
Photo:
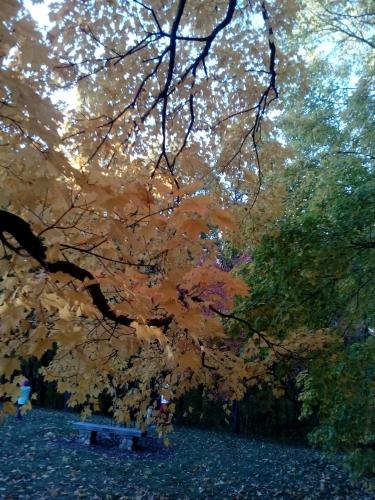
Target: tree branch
21	232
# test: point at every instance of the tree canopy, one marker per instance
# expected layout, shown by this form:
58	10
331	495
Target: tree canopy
103	256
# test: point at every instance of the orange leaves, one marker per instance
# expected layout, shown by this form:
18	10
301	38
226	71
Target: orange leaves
210	278
138	236
8	366
113	193
68	334
9	9
39	341
40	347
125	343
139	194
126	226
52	301
193	228
11	315
222	218
197	204
208	214
192	320
68	305
148	333
189	188
190	360
165	291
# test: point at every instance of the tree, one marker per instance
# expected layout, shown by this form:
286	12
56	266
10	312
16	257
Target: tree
103	259
349	23
313	269
340	385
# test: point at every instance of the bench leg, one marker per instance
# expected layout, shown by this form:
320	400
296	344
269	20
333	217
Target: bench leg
88	437
127	443
84	437
93	437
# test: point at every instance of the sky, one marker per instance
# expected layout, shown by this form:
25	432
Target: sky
39	12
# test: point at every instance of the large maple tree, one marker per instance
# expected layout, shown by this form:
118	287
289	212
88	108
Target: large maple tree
108	202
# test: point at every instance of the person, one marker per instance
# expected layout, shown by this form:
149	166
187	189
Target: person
163	404
164	409
23	398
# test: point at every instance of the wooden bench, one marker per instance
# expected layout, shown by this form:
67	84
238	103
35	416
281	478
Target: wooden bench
89	433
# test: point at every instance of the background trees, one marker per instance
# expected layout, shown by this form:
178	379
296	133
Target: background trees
313	268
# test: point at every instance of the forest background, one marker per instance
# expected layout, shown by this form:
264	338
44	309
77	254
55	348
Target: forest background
197	221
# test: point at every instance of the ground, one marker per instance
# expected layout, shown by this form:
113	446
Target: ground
41	458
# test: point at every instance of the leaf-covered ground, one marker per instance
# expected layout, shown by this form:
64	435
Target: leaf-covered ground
42	458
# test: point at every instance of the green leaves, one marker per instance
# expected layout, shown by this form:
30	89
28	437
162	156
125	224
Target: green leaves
341	385
314	267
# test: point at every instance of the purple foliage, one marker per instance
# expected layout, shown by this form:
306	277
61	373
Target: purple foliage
216	293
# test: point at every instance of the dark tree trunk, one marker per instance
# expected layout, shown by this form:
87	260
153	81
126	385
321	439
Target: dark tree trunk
235	414
66	399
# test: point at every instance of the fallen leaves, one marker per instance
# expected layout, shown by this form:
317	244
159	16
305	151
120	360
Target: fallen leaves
40	456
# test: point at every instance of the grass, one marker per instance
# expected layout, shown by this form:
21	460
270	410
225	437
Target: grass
41	458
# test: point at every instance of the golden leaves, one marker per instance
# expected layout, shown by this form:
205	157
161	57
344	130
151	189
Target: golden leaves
189	360
197	204
222	218
148	333
41	346
52	301
9	9
100	204
53	253
188	188
11	315
8	366
193	228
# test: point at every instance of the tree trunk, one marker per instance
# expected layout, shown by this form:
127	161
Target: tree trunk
235	417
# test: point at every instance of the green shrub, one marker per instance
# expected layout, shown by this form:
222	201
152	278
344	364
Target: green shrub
341	388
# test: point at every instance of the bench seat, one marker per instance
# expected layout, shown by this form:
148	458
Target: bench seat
89	432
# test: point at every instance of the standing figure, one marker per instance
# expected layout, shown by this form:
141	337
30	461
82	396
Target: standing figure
25	391
164	410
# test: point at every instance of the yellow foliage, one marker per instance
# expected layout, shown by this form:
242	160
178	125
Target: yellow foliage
8	366
122	276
